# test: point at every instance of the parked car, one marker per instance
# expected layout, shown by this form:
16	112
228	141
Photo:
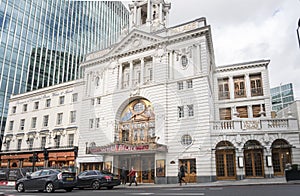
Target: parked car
47	179
96	179
3	174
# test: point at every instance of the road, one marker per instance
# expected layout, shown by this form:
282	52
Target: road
245	190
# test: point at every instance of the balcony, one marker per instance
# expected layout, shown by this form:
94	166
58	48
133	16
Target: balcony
256	92
223	95
252	124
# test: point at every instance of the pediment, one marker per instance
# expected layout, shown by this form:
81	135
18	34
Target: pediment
135	40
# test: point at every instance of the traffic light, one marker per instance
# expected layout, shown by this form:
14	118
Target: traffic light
46	154
75	151
34	158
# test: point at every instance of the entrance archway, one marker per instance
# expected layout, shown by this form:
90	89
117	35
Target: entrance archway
253	158
225	161
281	155
137	127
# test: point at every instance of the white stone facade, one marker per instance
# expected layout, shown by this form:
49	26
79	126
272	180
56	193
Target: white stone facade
215	120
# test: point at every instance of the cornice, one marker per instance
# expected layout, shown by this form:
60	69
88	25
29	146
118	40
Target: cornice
242	66
165	41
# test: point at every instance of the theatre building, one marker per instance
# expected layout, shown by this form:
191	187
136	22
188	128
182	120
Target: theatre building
156	100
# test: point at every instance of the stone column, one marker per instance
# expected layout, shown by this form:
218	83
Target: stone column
142	70
148	13
171	65
134	15
130	74
160	13
199	57
250	112
247	86
231	87
120	75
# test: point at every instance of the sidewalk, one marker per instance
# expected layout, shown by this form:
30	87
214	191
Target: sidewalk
244	182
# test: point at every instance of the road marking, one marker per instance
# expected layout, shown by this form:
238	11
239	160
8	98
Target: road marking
189	194
216	189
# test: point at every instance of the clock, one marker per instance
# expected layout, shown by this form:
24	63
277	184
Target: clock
139	107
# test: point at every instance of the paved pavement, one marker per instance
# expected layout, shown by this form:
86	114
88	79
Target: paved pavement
244	182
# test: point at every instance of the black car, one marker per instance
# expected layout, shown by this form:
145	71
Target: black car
47	179
96	179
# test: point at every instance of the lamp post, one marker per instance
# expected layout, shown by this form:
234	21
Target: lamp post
298	32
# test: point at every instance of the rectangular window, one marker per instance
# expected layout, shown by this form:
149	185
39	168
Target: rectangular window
91	123
30	142
33	122
7	145
45	120
57	141
14	109
180	85
92	101
59	118
36	105
72	116
24	107
190	110
256	85
223	88
71	140
189	83
225	113
43	142
19	144
97	122
48	103
180	111
242	111
61	100
75	97
239	87
22	124
98	100
11	125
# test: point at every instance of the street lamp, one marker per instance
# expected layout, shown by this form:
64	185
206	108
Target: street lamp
298	32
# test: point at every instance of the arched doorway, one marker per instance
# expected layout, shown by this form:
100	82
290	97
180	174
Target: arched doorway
281	155
253	158
225	161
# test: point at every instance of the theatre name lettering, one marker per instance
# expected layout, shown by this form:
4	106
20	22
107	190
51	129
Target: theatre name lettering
126	148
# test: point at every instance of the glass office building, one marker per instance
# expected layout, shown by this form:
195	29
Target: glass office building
282	96
43	42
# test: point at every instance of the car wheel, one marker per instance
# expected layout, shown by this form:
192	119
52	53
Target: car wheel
96	185
110	187
20	188
49	188
69	189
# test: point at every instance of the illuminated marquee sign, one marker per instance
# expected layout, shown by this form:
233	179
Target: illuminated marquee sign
114	148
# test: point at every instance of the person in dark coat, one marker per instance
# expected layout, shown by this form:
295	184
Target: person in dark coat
181	174
123	175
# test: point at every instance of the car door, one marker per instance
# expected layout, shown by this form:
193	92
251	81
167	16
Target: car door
85	178
42	179
31	182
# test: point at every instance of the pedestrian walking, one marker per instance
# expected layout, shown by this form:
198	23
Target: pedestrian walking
132	176
123	175
181	175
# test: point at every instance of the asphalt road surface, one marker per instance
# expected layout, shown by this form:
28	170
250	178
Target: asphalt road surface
249	190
